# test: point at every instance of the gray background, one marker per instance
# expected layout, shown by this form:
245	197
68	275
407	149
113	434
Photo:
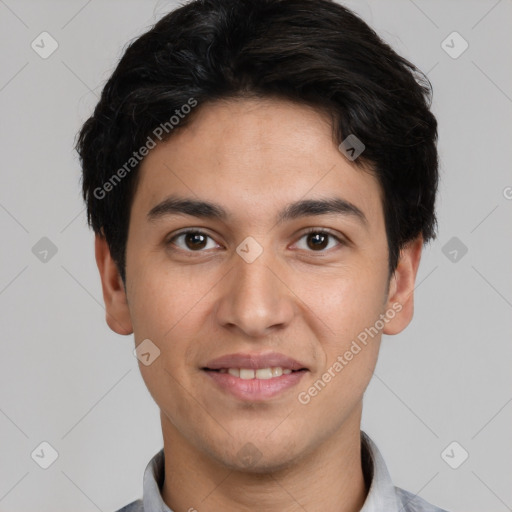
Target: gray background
68	380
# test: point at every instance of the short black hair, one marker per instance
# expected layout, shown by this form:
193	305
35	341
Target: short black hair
314	52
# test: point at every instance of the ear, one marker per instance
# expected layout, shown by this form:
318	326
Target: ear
114	295
401	287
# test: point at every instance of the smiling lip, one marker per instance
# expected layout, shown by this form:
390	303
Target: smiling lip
255	389
254	361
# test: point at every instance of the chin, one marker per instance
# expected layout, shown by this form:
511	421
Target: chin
261	455
262	466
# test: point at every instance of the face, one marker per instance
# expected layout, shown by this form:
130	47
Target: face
286	266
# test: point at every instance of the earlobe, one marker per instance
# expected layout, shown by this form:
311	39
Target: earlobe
400	302
114	295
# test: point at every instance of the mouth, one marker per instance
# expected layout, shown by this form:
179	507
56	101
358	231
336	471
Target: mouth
254	385
258	373
254	376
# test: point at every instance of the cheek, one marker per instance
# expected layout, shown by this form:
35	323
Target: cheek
346	310
173	312
346	304
162	300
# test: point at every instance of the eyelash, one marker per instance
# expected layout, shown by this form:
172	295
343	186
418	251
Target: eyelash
308	231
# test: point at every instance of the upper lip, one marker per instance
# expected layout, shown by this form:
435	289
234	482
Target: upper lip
254	361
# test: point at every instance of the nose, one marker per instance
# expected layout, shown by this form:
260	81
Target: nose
255	299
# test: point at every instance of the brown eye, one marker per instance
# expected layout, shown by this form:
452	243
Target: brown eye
318	240
195	240
192	241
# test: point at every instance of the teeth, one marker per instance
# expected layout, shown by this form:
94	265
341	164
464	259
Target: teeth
246	374
260	373
265	373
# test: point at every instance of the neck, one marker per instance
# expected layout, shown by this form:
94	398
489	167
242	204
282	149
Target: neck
328	479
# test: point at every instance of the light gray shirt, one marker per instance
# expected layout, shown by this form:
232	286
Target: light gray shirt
382	496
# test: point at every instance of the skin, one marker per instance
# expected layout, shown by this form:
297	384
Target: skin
253	157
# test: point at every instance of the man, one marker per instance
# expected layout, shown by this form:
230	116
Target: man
261	178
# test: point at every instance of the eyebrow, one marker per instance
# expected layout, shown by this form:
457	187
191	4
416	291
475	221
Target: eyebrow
174	205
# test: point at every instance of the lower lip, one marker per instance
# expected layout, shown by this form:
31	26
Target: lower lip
255	389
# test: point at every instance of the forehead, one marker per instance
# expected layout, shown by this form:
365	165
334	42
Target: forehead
253	156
